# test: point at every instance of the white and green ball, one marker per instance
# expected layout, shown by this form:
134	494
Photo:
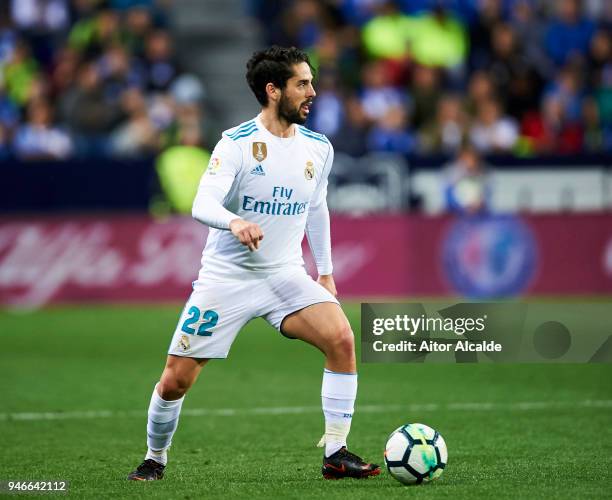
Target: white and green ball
415	453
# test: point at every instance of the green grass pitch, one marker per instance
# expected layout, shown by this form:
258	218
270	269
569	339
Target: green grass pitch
106	360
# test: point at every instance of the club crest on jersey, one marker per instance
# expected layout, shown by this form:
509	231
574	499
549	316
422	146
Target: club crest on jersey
260	151
183	343
309	170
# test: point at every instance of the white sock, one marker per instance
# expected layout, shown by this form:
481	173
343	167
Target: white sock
338	393
161	424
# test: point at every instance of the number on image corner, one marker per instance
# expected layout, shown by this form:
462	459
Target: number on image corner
209	320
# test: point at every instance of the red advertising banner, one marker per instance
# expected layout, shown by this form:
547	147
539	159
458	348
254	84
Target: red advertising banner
135	258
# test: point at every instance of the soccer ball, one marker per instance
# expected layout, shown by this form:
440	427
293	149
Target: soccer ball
415	453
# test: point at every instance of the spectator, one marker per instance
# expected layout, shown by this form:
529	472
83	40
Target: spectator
138	25
302	24
38	138
118	72
600	58
492	132
89	115
568	36
64	70
350	55
160	68
187	116
489	15
602	81
337	52
567	89
179	169
425	92
8	38
91	34
378	95
359	12
9	112
40	15
19	73
351	138
528	30
600	10
446	133
512	74
550	132
185	104
438	39
39	89
311	19
137	136
162	111
594	137
41	21
390	134
466	186
327	112
480	89
386	35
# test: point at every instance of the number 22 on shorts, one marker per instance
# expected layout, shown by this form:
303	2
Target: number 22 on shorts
209	320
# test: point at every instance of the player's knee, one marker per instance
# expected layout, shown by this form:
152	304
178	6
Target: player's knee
343	341
172	386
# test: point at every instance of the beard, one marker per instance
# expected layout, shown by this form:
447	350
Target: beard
287	112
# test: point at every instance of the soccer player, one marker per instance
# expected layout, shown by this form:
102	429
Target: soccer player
265	185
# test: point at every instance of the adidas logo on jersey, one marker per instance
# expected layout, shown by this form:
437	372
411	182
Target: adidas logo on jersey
258	170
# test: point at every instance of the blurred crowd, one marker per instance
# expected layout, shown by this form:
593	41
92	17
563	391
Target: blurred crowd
84	78
521	77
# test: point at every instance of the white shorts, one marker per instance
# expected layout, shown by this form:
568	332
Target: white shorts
217	310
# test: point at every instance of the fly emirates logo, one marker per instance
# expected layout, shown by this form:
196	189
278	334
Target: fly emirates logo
280	204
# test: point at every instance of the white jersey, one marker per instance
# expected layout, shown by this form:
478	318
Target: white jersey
278	183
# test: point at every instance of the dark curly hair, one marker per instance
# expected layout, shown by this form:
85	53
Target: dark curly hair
273	65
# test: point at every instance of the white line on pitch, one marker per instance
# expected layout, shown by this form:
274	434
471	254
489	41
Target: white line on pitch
292	410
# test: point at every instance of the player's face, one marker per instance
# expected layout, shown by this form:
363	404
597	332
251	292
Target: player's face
296	98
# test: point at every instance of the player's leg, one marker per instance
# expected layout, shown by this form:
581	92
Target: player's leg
310	313
325	326
178	376
166	401
212	318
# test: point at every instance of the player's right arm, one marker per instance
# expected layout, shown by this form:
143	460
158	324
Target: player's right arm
208	205
247	233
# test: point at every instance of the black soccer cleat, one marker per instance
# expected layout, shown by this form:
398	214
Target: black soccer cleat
343	464
149	470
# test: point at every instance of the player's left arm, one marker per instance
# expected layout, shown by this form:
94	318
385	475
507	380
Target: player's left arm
318	228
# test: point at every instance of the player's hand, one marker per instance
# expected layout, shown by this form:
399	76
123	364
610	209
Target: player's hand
247	233
327	282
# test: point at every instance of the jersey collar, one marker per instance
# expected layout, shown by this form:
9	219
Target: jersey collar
284	141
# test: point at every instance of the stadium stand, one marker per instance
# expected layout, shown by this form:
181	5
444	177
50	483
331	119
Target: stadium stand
526	83
89	78
522	77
